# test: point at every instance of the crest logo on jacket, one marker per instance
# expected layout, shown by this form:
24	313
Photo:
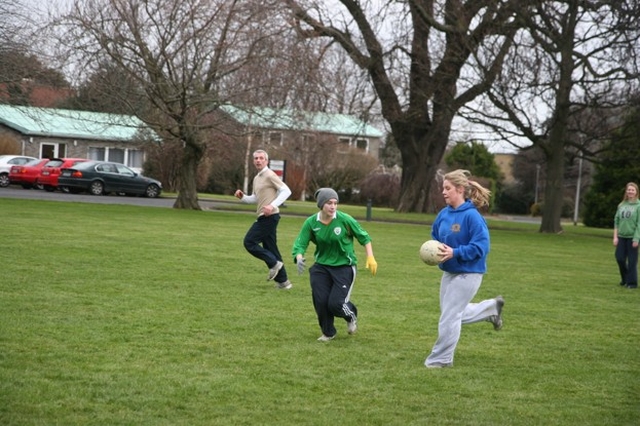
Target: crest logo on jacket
337	231
455	227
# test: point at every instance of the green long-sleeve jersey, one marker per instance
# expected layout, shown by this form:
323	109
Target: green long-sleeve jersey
334	242
627	220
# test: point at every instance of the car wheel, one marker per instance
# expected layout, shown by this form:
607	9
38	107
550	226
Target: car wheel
4	180
49	188
152	191
96	188
64	189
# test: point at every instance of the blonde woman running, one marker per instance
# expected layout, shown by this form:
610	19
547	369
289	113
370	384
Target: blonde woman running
464	233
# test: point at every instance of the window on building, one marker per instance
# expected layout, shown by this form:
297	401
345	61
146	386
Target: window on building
275	138
135	158
130	157
308	140
116	155
343	145
97	154
53	150
362	144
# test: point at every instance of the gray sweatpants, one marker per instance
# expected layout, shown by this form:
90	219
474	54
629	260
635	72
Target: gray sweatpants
456	293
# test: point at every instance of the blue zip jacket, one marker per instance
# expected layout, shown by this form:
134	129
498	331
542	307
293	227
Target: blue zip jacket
465	230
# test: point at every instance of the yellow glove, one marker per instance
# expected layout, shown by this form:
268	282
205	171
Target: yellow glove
372	265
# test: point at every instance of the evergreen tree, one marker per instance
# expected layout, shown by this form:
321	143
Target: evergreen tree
619	165
475	157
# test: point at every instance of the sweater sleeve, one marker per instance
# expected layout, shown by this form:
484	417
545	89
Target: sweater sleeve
283	193
301	243
357	230
636	234
478	245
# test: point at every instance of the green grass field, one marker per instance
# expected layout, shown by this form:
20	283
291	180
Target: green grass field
120	315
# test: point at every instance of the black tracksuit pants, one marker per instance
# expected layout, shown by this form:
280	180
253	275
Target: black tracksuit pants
331	289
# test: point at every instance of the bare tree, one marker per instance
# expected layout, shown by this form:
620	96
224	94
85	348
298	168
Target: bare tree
300	76
12	14
183	54
416	54
21	64
576	60
108	89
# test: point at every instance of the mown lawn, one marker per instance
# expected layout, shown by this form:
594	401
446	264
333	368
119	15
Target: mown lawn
120	315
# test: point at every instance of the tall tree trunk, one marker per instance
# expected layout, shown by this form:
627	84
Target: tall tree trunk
553	191
422	148
416	183
187	190
555	148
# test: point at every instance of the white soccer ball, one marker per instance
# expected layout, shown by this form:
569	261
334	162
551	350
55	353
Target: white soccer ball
430	253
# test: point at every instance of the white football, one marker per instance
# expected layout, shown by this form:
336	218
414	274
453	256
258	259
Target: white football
429	252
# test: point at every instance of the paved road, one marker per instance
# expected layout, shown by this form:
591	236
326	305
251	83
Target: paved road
34	194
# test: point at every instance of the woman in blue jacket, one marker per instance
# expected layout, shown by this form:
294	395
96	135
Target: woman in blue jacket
465	237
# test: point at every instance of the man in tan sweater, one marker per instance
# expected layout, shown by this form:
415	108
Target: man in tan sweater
269	192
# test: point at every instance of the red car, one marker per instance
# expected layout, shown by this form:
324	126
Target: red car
48	177
27	174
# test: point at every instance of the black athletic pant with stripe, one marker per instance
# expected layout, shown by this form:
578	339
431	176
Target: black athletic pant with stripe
331	290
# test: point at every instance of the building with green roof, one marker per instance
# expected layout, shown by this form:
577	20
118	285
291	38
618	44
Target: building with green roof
55	133
280	127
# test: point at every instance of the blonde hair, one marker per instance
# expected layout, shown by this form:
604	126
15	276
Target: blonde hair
478	194
635	185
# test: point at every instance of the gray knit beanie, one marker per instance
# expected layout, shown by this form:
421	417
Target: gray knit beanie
325	194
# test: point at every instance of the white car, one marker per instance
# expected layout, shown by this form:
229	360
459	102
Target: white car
6	161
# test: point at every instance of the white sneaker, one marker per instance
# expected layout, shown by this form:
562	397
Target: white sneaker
496	320
284	286
437	365
352	326
324	338
274	271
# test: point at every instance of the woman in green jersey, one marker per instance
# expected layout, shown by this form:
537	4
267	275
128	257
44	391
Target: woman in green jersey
334	272
626	234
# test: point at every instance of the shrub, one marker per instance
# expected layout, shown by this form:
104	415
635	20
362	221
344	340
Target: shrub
600	209
382	188
9	145
511	199
535	209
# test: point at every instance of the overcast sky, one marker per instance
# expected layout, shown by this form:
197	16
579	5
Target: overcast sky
461	130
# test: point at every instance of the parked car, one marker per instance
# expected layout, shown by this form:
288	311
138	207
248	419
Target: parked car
6	162
104	177
48	177
27	174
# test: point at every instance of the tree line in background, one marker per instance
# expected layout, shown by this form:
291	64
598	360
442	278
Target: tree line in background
555	79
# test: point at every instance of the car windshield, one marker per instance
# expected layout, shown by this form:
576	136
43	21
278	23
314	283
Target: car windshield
54	163
33	162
